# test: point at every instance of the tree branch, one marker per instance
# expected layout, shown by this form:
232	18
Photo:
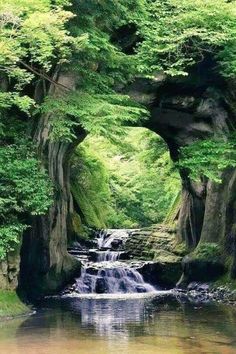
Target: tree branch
44	76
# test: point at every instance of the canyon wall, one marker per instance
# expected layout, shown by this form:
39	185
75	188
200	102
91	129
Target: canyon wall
184	111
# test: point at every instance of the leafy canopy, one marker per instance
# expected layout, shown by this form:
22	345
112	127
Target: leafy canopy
208	158
179	33
38	39
24	189
127	183
101	70
41	38
33	39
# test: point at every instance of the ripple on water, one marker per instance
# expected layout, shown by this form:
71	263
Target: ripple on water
129	324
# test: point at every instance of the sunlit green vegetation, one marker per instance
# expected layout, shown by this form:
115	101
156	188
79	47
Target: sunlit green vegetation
42	39
180	33
209	158
10	304
127	184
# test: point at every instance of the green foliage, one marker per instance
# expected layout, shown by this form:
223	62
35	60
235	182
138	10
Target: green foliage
102	69
208	158
10	304
179	33
90	187
9	234
101	64
33	40
130	182
138	183
209	251
33	32
24	189
97	114
9	99
38	40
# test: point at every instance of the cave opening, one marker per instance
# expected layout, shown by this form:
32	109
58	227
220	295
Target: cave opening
127	182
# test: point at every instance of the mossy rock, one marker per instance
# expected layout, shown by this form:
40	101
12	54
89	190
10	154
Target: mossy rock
205	263
11	305
200	269
163	274
210	251
79	233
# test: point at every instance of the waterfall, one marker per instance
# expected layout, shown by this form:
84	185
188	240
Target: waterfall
106	256
108	274
107	239
113	280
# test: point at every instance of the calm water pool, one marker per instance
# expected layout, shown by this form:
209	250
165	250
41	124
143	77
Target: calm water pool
125	325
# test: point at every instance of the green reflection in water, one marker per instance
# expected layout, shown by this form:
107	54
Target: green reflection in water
131	326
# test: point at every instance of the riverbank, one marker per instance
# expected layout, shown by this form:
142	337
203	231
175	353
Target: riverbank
11	305
209	293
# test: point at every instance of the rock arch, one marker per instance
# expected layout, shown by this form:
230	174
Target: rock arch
181	111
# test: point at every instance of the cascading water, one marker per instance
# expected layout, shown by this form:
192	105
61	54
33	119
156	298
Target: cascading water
108	239
107	273
106	256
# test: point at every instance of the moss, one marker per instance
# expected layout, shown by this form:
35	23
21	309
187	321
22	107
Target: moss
225	280
180	249
174	209
81	232
209	250
205	263
11	305
92	215
163	257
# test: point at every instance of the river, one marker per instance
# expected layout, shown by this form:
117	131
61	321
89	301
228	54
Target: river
129	324
110	309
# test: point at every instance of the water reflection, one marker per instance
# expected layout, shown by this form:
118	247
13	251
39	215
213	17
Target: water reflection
130	326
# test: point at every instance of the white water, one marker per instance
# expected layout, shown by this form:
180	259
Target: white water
106	256
109	275
106	238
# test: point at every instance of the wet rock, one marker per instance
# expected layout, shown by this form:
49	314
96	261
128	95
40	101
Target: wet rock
203	270
141	289
198	287
92	270
204	287
192	286
101	286
124	256
204	292
92	255
122	287
115	244
116	274
161	274
232	296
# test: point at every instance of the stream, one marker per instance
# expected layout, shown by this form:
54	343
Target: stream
138	325
110	309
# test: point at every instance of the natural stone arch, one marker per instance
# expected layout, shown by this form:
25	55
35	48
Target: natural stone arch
181	111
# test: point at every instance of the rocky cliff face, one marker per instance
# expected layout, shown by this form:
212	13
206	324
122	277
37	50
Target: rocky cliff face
162	255
183	111
9	271
46	265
